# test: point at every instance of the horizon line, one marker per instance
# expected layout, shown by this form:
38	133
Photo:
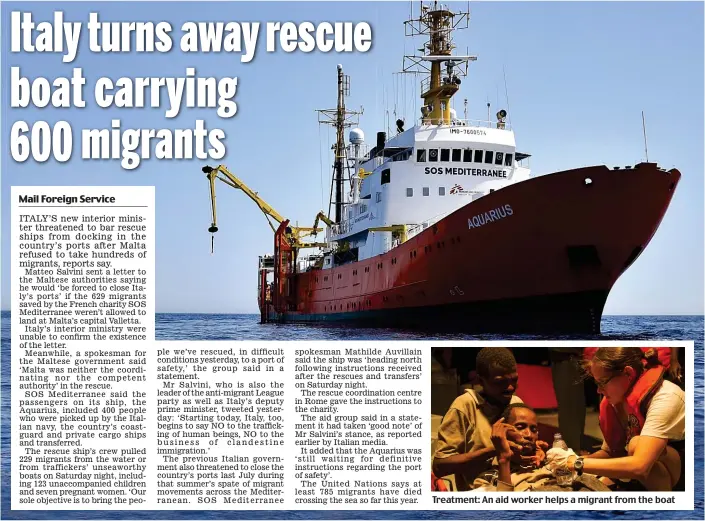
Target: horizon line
255	313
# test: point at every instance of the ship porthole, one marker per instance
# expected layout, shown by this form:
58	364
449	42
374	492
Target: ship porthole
588	181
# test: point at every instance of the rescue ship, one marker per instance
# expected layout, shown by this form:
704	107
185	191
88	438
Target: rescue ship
442	227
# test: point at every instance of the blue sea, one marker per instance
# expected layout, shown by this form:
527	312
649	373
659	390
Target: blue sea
188	326
247	327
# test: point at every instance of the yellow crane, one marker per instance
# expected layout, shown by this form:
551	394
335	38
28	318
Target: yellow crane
294	236
321	217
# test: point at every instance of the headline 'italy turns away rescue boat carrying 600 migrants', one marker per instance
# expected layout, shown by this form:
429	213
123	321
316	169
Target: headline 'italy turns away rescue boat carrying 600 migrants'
442	227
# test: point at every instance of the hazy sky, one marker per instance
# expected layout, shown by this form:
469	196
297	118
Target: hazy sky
578	76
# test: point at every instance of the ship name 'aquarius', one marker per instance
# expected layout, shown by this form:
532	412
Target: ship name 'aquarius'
491	216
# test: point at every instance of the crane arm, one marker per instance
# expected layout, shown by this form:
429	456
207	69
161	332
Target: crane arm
294	233
231	180
399	228
321	217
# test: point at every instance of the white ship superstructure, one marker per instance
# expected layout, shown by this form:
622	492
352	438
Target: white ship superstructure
421	175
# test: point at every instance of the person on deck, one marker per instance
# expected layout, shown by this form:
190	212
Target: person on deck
642	419
465	446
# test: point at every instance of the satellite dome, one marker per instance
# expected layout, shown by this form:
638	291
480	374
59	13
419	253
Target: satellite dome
357	136
453	114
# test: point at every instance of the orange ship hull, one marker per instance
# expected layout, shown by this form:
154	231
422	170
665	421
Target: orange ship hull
540	255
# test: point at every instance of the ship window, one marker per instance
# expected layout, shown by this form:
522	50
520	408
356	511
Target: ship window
499	158
350	215
467	156
433	155
410	192
457	153
478	156
426	191
441	190
508	160
488	156
445	154
421	155
386	176
363	208
378	197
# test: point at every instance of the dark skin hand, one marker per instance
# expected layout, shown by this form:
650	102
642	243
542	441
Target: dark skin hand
476	461
541	448
504	447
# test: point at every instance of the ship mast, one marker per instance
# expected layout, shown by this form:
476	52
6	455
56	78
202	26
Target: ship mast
442	69
340	118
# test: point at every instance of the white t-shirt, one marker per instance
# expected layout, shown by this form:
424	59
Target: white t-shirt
665	417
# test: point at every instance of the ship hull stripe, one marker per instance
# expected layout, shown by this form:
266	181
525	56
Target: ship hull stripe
569	313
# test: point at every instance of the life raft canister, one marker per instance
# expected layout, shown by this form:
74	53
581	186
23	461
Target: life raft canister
635	404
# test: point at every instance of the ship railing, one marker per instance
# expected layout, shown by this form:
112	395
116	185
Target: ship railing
340	228
379	161
359	151
524	163
310	262
413	230
477	123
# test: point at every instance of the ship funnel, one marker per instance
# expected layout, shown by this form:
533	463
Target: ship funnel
381	139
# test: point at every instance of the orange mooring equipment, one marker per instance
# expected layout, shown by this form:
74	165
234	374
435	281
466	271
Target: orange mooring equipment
284	261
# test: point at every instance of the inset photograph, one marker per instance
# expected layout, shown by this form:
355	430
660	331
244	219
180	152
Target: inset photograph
563	419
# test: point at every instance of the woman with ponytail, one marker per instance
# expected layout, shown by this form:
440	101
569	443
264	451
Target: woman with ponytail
642	418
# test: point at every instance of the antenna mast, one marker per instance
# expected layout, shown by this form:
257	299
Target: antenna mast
443	69
340	118
643	126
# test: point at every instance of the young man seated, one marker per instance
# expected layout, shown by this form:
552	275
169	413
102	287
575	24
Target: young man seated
464	445
521	467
